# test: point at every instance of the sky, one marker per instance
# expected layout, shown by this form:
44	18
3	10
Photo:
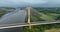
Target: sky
21	3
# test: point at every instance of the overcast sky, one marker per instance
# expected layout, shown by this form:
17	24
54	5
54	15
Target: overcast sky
26	2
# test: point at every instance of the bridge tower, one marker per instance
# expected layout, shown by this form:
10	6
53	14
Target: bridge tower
29	23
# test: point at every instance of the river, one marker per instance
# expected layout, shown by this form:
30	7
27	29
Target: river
17	16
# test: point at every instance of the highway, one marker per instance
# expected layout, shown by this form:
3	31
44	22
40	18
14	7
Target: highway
25	24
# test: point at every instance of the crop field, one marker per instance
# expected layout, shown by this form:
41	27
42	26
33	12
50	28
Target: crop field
46	14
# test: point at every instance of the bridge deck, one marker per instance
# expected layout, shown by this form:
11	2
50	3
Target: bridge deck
25	24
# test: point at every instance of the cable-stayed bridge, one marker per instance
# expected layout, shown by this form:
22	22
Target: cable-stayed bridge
17	18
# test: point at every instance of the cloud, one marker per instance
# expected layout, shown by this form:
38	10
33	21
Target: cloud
22	1
53	1
26	2
34	1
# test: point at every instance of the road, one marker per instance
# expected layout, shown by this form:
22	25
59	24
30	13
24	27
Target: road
25	24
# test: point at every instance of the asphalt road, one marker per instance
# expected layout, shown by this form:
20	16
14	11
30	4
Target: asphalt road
25	24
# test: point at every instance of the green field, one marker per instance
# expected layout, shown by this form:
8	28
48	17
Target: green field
45	15
43	28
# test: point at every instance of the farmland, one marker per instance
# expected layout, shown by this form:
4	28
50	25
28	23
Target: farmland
46	14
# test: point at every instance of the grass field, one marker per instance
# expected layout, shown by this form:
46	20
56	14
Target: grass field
45	16
44	28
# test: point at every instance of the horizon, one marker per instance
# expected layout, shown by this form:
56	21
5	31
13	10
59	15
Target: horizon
33	3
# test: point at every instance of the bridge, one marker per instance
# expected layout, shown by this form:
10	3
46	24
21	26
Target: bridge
26	24
10	24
